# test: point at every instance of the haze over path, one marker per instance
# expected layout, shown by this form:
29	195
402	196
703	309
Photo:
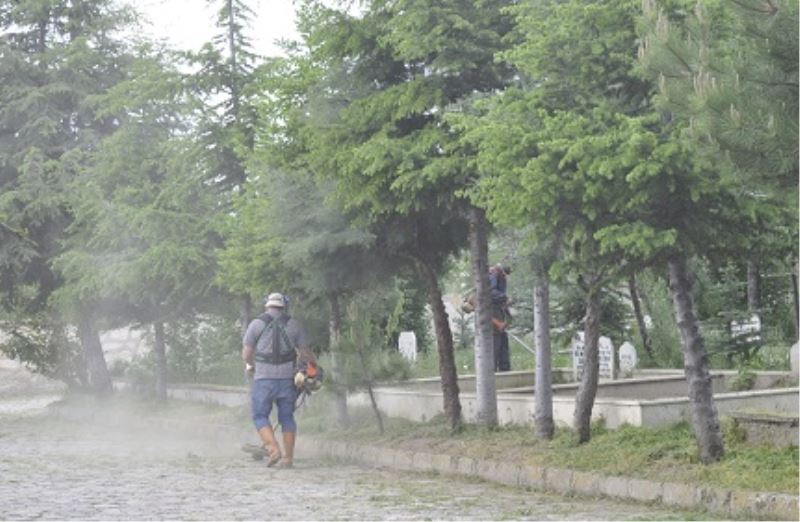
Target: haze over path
113	459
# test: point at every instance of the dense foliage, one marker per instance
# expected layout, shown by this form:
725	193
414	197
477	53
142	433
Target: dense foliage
602	145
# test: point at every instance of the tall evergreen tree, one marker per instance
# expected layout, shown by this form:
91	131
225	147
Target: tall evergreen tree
388	75
141	244
579	148
227	122
728	73
54	56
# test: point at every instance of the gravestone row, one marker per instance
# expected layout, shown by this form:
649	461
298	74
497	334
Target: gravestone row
628	359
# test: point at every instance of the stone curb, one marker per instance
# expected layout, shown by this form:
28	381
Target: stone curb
779	506
776	506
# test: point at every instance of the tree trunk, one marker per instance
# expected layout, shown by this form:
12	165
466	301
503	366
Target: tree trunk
245	312
701	401
99	378
41	42
637	311
753	287
232	49
796	306
335	332
444	343
161	361
370	391
543	393
584	401
485	386
70	367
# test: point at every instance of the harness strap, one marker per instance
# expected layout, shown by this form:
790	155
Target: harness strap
278	334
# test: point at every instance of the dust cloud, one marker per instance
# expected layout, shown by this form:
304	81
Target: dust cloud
119	426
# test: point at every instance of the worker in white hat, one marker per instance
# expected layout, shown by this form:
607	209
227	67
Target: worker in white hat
272	346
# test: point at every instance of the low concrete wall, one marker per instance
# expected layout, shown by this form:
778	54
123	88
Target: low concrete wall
511	409
515	408
503	380
231	396
661	385
780	431
669	411
642	388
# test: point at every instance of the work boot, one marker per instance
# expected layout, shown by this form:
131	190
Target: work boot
270	445
288	447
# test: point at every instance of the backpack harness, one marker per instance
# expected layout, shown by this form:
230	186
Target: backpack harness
280	339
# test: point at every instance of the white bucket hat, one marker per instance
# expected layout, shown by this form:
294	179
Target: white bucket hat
275	300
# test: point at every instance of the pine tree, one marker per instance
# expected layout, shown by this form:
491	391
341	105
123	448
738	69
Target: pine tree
579	151
225	84
141	244
729	74
386	78
54	56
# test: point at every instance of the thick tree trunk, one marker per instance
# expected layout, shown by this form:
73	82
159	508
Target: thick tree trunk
335	333
99	378
161	361
444	343
587	391
543	395
485	386
701	401
637	311
753	287
245	313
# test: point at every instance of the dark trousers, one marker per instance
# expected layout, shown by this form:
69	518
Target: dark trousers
502	355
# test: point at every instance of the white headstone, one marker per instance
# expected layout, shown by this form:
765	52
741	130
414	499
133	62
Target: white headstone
606	348
793	360
407	342
747	330
576	346
627	358
606	355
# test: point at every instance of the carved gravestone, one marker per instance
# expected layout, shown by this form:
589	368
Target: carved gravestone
606	348
747	331
627	359
606	356
407	343
577	355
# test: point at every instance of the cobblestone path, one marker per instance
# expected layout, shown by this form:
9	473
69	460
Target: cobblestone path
98	467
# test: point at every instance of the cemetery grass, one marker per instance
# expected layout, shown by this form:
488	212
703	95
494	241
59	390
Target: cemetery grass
663	454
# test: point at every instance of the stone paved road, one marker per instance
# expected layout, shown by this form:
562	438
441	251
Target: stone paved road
100	467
